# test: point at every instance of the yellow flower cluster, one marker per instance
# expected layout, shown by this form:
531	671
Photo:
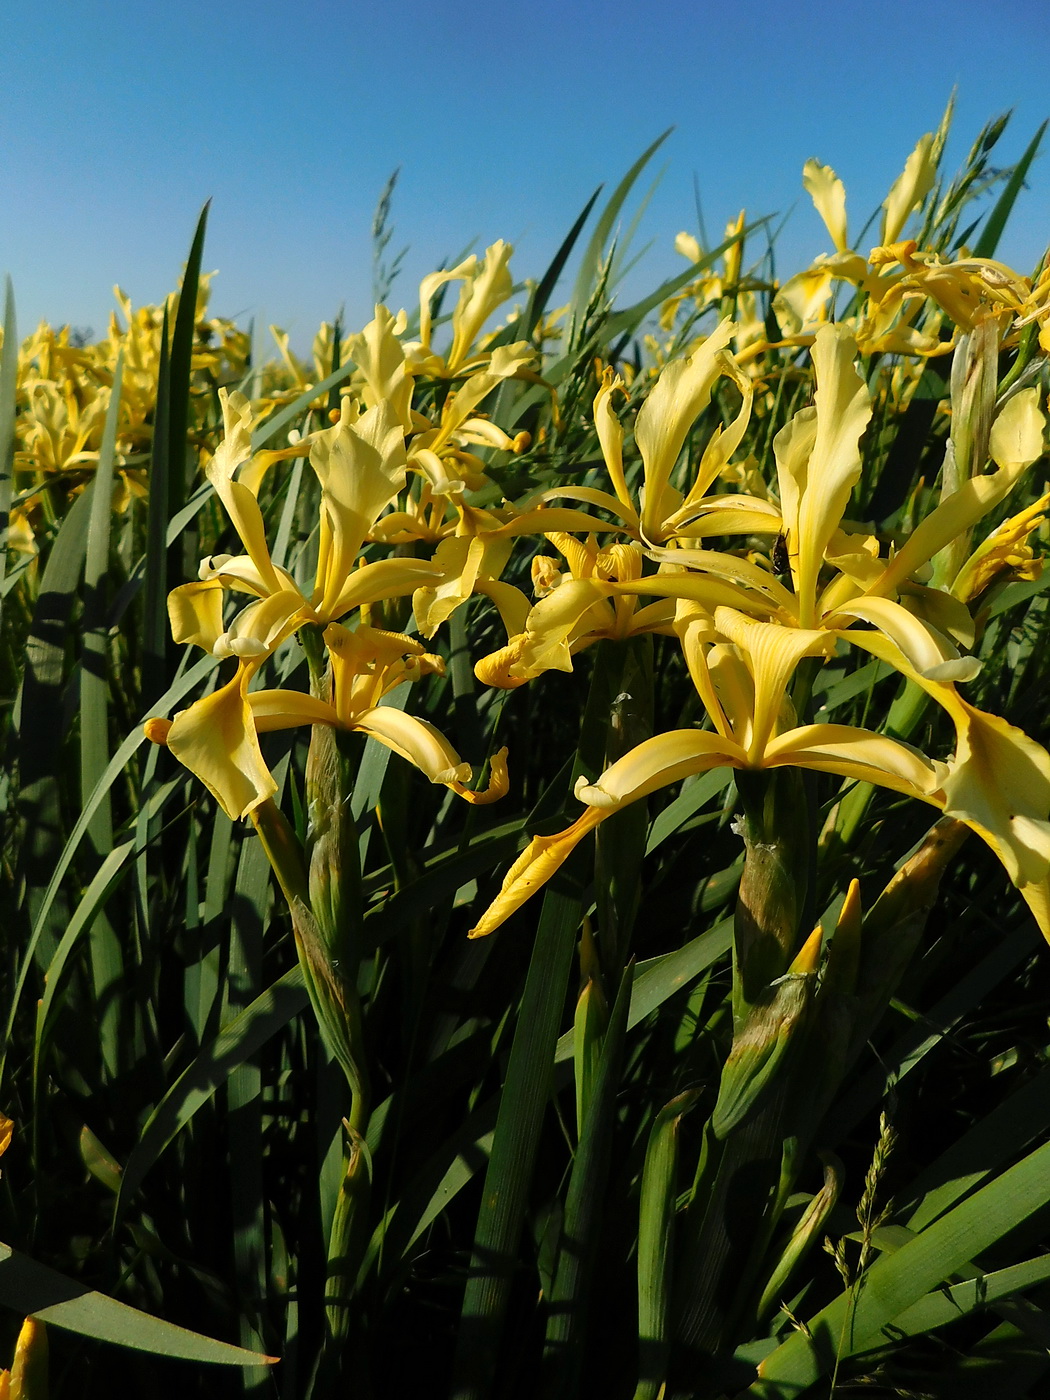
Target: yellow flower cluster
392	472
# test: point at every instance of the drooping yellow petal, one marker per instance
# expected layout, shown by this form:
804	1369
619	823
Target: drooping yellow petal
288	709
593	497
931	655
860	754
383	578
216	739
541	858
656	763
998	783
511	603
417	741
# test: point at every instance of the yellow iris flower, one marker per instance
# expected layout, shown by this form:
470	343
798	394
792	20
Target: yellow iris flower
360	463
217	738
681	393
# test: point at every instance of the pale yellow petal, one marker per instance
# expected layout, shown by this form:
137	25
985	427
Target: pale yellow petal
195	613
910	188
239	502
657	762
610	435
843	408
482	293
772	653
680	395
1017	431
828	194
361	467
430	285
380	359
857	753
216	740
541	858
287	709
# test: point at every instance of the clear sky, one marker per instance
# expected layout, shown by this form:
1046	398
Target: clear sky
117	121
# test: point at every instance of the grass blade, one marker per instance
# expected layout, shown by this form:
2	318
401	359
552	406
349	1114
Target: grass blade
29	1287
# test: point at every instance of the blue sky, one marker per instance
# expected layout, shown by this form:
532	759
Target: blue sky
119	120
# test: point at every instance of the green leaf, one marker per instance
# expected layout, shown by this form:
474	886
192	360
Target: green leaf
32	1288
8	391
660	978
860	1321
656	1213
268	1013
43	911
584	1206
516	1140
993	229
94	708
955	1300
541	293
180	367
595	251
